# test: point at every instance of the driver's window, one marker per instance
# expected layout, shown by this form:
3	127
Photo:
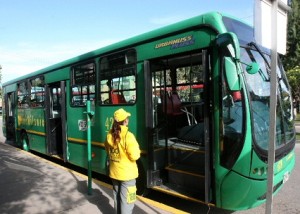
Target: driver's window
232	124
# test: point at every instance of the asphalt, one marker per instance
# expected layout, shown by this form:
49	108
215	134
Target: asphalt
30	184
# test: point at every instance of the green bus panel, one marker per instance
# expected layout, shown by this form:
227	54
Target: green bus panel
10	88
101	122
183	42
99	157
58	75
235	191
259	168
78	156
76	120
31	120
37	143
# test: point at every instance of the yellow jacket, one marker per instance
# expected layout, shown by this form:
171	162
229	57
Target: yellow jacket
123	156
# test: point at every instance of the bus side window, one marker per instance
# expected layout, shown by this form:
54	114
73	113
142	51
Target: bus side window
37	96
83	84
118	78
23	95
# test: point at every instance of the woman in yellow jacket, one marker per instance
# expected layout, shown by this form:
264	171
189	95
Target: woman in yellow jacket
123	151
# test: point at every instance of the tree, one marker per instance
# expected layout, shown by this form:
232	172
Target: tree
292	57
294	79
291	60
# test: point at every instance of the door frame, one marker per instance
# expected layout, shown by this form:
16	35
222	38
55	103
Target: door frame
62	117
10	115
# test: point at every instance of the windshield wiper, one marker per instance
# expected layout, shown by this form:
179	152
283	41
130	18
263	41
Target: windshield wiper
261	53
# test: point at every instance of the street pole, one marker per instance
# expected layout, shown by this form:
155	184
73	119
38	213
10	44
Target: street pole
90	114
273	103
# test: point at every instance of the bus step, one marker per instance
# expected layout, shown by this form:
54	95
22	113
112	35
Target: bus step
181	192
193	158
186	177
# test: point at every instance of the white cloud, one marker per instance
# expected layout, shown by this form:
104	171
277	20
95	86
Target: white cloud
26	58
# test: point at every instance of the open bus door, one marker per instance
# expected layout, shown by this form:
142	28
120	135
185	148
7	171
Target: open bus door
10	116
177	122
56	119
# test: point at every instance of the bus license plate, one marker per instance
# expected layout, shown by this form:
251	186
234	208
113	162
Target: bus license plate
286	177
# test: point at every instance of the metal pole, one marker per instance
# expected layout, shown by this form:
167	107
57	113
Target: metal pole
89	145
273	102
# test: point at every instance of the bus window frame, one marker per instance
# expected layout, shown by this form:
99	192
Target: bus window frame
33	103
88	84
231	104
24	95
116	70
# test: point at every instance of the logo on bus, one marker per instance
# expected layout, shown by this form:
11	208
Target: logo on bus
30	120
177	43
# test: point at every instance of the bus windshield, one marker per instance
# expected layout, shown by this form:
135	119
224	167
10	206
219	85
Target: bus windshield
258	86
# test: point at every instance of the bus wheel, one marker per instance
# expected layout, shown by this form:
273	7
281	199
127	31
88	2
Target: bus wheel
25	141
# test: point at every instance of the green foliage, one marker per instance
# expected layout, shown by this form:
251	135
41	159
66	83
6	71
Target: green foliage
294	80
291	60
292	57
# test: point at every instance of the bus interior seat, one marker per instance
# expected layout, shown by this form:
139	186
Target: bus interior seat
237	96
117	98
176	103
193	134
172	105
167	103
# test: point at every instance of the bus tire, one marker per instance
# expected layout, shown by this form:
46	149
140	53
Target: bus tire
24	141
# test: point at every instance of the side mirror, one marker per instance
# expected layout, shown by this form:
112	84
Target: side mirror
230	41
252	68
232	74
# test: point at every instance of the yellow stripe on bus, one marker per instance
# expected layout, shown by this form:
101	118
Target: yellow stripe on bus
33	132
76	140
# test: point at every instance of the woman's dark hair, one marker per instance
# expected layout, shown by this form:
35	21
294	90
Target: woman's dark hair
116	131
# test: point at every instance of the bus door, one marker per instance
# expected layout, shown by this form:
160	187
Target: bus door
10	117
56	119
178	122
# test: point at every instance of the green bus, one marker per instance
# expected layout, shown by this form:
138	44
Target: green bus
199	95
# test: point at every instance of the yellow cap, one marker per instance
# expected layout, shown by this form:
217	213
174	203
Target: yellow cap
121	115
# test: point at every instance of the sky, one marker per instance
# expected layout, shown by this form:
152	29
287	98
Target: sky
38	33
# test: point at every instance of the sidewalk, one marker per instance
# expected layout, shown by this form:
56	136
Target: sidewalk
30	185
297	126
